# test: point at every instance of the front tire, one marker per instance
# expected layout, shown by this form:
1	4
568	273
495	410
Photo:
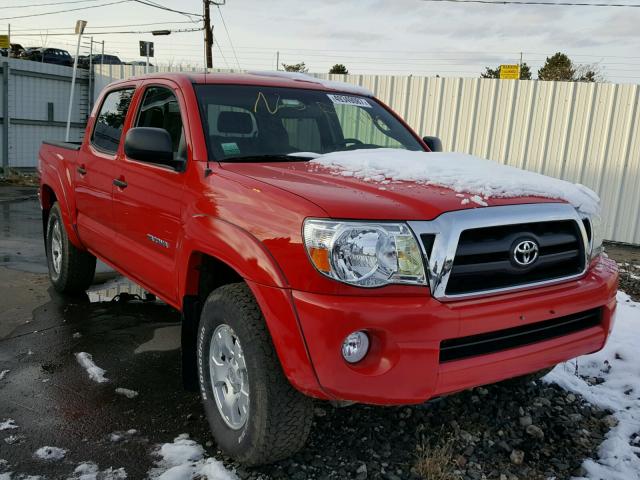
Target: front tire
71	270
255	415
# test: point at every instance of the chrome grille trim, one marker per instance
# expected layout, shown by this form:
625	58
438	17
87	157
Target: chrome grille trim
448	227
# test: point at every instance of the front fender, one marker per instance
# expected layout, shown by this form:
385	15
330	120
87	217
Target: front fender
241	251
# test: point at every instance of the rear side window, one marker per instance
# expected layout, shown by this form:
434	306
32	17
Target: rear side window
108	128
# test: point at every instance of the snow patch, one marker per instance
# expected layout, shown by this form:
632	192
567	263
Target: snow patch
3	373
50	453
95	373
184	459
330	84
8	424
126	392
91	471
459	172
617	365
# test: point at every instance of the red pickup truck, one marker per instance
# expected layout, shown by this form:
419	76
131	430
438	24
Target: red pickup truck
299	282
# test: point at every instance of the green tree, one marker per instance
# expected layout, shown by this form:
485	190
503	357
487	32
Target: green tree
295	67
339	69
525	72
558	67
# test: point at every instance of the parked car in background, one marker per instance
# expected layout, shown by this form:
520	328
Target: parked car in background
83	61
48	55
16	50
140	63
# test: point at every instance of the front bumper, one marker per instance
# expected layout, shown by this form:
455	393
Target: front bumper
403	365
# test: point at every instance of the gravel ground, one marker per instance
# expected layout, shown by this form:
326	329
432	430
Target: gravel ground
513	430
628	258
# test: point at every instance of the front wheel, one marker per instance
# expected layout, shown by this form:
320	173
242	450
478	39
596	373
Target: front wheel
255	415
70	270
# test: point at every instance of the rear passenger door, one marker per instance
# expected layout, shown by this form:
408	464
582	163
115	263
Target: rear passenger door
96	171
148	204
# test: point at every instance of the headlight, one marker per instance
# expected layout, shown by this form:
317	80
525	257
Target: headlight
364	254
595	234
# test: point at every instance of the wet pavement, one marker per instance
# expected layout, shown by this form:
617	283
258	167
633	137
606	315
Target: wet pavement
50	396
54	402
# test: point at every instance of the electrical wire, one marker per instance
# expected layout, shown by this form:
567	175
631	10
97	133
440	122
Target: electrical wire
45	30
110	33
65	11
228	36
48	4
162	7
548	4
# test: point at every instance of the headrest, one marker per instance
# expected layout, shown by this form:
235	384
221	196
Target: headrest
239	123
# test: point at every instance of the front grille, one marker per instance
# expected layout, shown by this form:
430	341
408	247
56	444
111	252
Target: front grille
484	258
485	343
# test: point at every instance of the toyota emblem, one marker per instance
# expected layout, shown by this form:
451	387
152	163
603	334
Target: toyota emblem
525	253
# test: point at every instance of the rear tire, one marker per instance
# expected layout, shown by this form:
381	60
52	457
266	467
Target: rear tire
255	415
71	270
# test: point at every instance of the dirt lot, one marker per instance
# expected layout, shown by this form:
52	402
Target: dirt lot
515	430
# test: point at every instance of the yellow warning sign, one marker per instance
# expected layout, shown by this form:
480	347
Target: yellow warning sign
510	72
4	41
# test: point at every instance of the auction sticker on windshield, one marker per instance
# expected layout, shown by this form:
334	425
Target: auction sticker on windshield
347	100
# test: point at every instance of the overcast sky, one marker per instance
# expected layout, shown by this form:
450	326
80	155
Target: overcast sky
368	36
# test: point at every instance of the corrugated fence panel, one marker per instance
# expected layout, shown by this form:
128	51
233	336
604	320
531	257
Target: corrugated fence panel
581	132
38	103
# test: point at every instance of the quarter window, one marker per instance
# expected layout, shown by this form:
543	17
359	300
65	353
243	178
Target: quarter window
108	128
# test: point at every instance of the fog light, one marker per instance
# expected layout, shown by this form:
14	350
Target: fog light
355	347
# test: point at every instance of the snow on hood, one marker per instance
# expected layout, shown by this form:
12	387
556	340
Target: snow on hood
457	171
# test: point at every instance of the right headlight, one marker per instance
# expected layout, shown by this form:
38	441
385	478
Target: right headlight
594	230
364	254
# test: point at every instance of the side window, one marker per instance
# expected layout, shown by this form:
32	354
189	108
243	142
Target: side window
160	109
108	127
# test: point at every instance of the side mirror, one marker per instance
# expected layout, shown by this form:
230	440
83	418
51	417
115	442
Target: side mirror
434	143
152	145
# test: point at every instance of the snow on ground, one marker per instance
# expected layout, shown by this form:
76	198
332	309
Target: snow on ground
4	373
8	424
184	459
617	364
50	453
91	471
126	392
95	373
458	171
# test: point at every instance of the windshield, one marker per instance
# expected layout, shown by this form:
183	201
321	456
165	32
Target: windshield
250	123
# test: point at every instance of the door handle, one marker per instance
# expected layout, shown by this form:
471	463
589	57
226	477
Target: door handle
81	170
120	183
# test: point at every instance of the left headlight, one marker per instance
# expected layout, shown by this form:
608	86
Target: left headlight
364	254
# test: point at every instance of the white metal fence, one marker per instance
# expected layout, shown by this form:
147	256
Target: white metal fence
34	99
587	133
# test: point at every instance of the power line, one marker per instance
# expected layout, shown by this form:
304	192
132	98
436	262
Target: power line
109	33
228	36
162	7
64	11
531	2
48	4
46	30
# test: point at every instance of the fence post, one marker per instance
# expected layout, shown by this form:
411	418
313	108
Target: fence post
5	117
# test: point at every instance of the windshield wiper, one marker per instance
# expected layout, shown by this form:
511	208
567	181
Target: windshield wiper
268	158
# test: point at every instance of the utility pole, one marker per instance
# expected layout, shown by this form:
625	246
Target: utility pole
278	60
208	37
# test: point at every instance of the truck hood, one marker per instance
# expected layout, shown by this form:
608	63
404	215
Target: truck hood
349	197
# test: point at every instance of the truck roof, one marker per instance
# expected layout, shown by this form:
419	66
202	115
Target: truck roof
267	79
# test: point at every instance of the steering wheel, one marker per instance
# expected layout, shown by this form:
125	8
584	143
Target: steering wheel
348	142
